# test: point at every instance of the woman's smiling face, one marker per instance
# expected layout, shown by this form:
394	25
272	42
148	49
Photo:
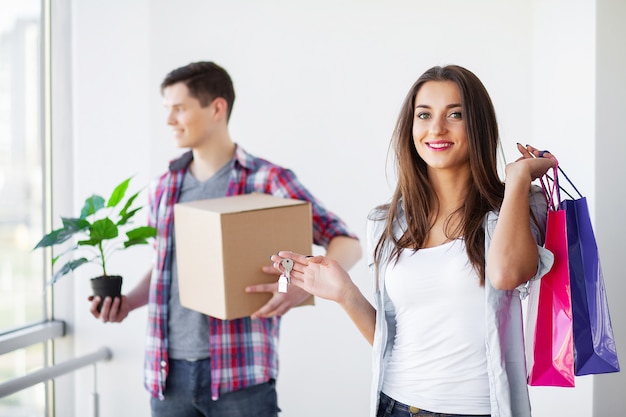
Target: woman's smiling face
439	132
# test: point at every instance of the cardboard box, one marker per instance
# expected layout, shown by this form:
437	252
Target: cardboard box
222	244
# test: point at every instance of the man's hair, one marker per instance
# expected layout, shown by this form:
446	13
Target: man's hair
205	80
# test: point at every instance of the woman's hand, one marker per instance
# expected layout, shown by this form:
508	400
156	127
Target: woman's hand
317	275
325	278
531	165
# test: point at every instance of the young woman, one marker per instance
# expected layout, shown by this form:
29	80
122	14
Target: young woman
451	254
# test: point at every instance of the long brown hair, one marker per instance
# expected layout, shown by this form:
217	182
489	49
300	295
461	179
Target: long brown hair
414	194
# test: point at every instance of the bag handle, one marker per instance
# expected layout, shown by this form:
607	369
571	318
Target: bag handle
551	188
570	183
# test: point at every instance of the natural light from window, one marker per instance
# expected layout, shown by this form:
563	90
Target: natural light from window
21	194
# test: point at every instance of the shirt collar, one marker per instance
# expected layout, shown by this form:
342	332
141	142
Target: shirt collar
241	157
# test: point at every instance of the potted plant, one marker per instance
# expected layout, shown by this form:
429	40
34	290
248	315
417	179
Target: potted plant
98	229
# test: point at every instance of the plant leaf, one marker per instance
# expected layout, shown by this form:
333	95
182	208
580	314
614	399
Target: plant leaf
70	227
142	232
118	193
75	225
128	216
139	236
54	238
100	230
123	213
68	267
134	242
92	205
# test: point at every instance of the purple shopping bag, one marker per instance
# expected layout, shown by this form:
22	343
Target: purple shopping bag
594	342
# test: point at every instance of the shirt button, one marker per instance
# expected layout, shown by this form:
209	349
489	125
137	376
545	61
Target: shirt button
163	364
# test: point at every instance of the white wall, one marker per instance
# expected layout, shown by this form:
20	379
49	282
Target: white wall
111	95
318	85
563	76
608	390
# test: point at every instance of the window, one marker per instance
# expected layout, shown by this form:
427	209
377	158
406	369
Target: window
21	194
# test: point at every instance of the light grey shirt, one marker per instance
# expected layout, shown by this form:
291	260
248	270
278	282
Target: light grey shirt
188	330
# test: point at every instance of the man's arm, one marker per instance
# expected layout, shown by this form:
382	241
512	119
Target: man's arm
345	250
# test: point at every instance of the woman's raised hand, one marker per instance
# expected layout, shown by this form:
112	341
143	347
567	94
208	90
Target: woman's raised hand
533	162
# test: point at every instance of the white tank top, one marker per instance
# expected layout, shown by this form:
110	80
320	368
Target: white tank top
438	361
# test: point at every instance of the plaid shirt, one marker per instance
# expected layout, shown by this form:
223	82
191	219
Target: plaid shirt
243	351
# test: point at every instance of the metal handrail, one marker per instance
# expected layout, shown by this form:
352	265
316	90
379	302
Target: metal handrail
17	384
31	335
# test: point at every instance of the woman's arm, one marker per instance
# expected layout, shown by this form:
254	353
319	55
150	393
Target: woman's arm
513	256
325	278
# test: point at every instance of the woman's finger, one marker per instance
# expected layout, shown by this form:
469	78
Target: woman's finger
531	149
296	257
538	153
525	152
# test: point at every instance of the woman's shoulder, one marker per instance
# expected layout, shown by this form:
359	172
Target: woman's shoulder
378	213
376	222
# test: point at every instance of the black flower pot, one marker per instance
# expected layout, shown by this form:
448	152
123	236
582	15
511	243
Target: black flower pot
106	286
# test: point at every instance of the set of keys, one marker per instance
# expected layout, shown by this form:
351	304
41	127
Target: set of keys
285	277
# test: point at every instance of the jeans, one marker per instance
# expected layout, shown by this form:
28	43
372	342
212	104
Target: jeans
388	407
188	394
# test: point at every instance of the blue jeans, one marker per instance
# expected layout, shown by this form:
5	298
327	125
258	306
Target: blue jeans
188	394
388	407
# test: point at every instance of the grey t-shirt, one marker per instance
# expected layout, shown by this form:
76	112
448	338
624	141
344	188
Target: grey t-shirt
188	330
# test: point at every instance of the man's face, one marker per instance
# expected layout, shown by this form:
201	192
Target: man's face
192	124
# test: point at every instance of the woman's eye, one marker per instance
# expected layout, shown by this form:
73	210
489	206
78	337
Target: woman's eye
456	115
423	115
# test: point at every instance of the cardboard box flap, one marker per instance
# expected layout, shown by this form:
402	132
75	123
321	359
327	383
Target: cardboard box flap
242	203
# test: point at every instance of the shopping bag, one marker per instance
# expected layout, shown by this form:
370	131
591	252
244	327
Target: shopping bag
550	347
594	343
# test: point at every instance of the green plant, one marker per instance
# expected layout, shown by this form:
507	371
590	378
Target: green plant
98	226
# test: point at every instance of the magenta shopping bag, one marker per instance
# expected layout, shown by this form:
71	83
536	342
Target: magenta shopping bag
550	347
594	343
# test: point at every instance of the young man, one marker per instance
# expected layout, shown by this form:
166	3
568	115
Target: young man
198	365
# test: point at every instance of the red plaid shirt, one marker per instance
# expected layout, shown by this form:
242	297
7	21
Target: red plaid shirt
243	351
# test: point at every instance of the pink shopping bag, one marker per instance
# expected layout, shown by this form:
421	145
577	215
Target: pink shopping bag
550	347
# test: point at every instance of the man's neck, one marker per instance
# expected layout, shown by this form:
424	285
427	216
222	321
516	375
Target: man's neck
207	160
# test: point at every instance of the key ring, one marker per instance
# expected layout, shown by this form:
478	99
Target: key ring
541	153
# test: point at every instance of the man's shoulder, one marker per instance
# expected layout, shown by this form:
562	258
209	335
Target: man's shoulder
255	163
176	167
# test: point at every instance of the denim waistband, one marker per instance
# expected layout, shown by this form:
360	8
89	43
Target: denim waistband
413	411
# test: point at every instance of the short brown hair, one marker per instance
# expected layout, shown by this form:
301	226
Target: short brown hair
205	80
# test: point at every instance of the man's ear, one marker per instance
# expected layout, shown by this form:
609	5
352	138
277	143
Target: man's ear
221	108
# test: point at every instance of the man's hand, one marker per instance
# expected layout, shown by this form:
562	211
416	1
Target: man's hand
280	303
112	310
